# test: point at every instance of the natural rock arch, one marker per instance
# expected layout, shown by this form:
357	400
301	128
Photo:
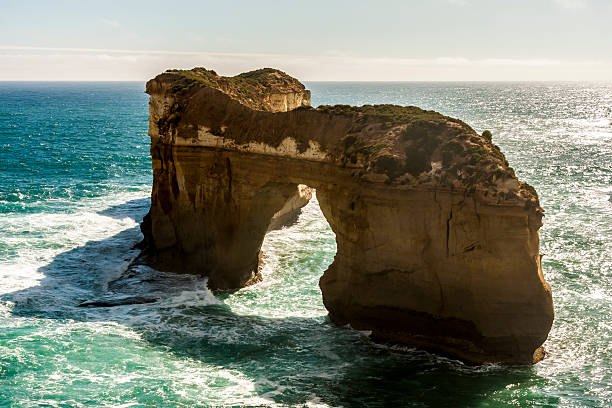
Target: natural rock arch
437	240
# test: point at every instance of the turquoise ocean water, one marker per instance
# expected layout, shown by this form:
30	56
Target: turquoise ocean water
74	183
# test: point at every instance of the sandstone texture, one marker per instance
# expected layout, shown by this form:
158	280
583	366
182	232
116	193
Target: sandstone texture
292	209
437	239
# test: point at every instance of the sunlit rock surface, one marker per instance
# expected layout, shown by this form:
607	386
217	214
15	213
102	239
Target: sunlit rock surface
437	239
292	209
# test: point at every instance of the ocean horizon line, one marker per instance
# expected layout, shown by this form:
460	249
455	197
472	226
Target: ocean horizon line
577	81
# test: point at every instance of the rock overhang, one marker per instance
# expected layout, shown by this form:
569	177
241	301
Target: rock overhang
404	146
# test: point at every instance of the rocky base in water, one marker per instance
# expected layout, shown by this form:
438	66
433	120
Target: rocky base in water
437	239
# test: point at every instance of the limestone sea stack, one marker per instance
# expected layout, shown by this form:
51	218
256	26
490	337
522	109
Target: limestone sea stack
437	239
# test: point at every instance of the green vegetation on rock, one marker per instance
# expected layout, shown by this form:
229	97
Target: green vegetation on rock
406	143
247	87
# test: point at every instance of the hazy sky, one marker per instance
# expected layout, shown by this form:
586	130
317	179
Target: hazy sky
313	40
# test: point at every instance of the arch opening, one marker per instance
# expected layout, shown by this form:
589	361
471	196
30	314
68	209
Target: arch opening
293	258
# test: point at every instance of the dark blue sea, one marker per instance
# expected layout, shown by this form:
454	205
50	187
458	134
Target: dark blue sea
75	177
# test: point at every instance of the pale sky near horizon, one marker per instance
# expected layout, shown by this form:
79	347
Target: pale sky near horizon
450	40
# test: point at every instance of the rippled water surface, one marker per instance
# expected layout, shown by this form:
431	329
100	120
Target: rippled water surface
74	183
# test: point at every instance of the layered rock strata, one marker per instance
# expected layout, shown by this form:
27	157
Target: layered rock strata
437	239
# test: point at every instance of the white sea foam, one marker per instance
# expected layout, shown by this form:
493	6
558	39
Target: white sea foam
39	237
270	343
199	296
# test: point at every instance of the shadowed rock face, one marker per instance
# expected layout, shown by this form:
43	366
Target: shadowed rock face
437	239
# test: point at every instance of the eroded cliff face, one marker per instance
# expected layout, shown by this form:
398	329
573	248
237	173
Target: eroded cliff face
437	239
292	209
